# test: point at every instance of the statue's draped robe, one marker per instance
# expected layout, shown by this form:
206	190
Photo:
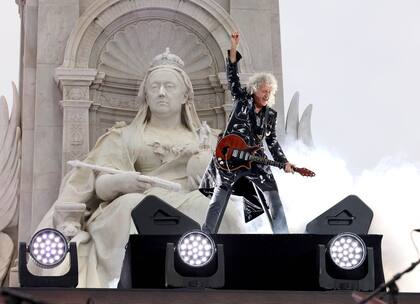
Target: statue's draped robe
102	240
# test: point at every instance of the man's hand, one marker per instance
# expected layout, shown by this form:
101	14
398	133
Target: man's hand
288	168
234	41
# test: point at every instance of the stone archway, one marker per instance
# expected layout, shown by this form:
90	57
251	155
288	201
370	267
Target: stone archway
110	48
102	13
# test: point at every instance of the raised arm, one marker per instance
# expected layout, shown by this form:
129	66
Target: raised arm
234	57
234	42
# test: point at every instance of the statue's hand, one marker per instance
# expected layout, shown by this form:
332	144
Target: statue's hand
129	182
110	186
190	149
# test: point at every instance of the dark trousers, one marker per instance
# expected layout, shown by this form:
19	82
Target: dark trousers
219	201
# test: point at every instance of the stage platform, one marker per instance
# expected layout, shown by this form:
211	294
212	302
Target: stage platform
180	296
252	261
259	269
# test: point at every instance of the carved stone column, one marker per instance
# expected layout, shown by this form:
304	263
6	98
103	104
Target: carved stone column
228	106
76	102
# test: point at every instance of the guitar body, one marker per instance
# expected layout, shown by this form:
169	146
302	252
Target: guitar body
232	153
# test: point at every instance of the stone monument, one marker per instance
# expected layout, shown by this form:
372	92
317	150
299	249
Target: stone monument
83	62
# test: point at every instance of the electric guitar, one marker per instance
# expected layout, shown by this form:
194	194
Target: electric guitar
232	153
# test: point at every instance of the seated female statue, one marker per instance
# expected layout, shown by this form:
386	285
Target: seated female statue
160	141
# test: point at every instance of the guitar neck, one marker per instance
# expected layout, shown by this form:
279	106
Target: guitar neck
265	161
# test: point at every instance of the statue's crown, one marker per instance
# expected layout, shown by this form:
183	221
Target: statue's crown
167	58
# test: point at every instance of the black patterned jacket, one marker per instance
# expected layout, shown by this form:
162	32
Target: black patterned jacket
243	121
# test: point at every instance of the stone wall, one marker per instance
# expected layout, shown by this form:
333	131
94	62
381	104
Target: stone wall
83	61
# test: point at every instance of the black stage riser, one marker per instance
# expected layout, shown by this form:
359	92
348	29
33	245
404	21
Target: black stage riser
252	261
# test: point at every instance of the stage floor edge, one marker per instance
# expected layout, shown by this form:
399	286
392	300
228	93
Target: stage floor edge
191	296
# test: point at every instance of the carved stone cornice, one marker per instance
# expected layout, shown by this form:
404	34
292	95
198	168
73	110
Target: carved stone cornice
79	104
74	76
215	81
243	76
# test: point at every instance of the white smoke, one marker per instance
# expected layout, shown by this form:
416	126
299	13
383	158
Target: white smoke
391	190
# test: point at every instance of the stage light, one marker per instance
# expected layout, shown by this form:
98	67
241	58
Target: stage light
196	248
347	250
48	249
197	263
346	263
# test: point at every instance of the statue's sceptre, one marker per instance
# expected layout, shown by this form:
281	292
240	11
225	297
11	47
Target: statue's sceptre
152	180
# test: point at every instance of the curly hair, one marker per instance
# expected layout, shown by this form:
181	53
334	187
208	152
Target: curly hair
257	79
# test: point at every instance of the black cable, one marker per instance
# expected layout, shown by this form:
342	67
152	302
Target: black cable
391	284
414	243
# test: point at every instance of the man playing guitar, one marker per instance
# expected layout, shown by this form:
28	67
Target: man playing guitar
238	166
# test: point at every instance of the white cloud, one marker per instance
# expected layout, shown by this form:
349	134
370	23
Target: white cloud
357	62
390	190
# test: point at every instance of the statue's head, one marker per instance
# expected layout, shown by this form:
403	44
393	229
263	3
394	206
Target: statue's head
167	90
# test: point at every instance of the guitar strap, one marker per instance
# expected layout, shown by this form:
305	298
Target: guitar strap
264	125
265	122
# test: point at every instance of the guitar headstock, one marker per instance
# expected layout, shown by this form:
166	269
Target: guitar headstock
304	171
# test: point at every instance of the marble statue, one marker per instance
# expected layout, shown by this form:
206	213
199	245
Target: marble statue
204	135
163	140
10	160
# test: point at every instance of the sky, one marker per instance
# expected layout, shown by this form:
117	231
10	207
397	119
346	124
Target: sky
358	63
